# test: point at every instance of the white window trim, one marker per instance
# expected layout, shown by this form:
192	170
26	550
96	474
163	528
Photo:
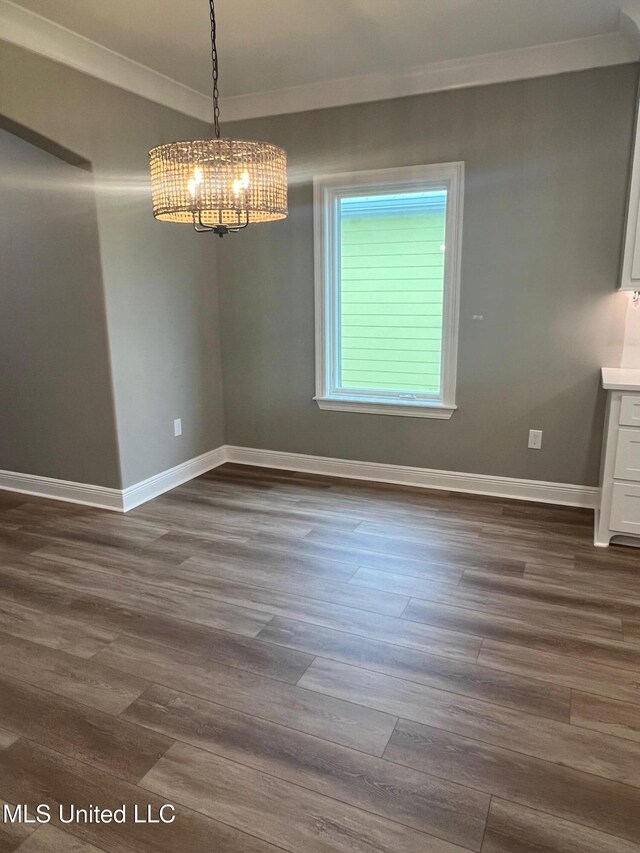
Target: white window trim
327	190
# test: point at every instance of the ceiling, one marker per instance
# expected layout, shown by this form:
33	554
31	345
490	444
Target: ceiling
274	44
288	55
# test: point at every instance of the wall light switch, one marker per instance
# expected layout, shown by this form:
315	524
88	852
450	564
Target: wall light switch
177	427
535	439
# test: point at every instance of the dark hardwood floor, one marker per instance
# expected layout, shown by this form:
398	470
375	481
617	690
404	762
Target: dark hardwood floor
310	665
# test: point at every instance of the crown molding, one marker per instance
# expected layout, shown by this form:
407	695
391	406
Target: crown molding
524	63
40	35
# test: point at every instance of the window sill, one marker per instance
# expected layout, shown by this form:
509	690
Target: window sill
409	409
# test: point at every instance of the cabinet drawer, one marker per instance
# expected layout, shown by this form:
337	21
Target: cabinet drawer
628	455
630	410
625	508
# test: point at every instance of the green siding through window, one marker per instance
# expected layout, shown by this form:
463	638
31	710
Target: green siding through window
391	291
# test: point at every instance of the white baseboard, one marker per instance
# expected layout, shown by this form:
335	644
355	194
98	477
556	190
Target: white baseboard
163	482
122	500
427	478
62	490
117	500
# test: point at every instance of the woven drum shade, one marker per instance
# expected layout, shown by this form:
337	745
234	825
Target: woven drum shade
219	182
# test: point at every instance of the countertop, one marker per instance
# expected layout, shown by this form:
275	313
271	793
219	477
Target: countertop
621	378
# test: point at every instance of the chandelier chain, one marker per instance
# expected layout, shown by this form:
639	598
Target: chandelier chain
214	71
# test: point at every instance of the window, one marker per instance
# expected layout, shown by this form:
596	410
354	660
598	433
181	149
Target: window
387	281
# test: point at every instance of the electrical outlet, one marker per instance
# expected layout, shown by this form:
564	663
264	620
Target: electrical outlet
177	427
535	439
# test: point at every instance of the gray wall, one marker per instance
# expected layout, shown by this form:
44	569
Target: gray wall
159	279
547	168
57	417
546	174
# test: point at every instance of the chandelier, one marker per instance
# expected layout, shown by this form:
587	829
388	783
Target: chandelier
218	185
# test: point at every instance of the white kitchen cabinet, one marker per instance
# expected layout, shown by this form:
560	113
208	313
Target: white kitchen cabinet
619	513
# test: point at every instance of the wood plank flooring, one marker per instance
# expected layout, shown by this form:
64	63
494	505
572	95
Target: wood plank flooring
315	665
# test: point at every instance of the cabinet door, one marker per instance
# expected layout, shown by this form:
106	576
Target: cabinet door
630	410
625	508
628	455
